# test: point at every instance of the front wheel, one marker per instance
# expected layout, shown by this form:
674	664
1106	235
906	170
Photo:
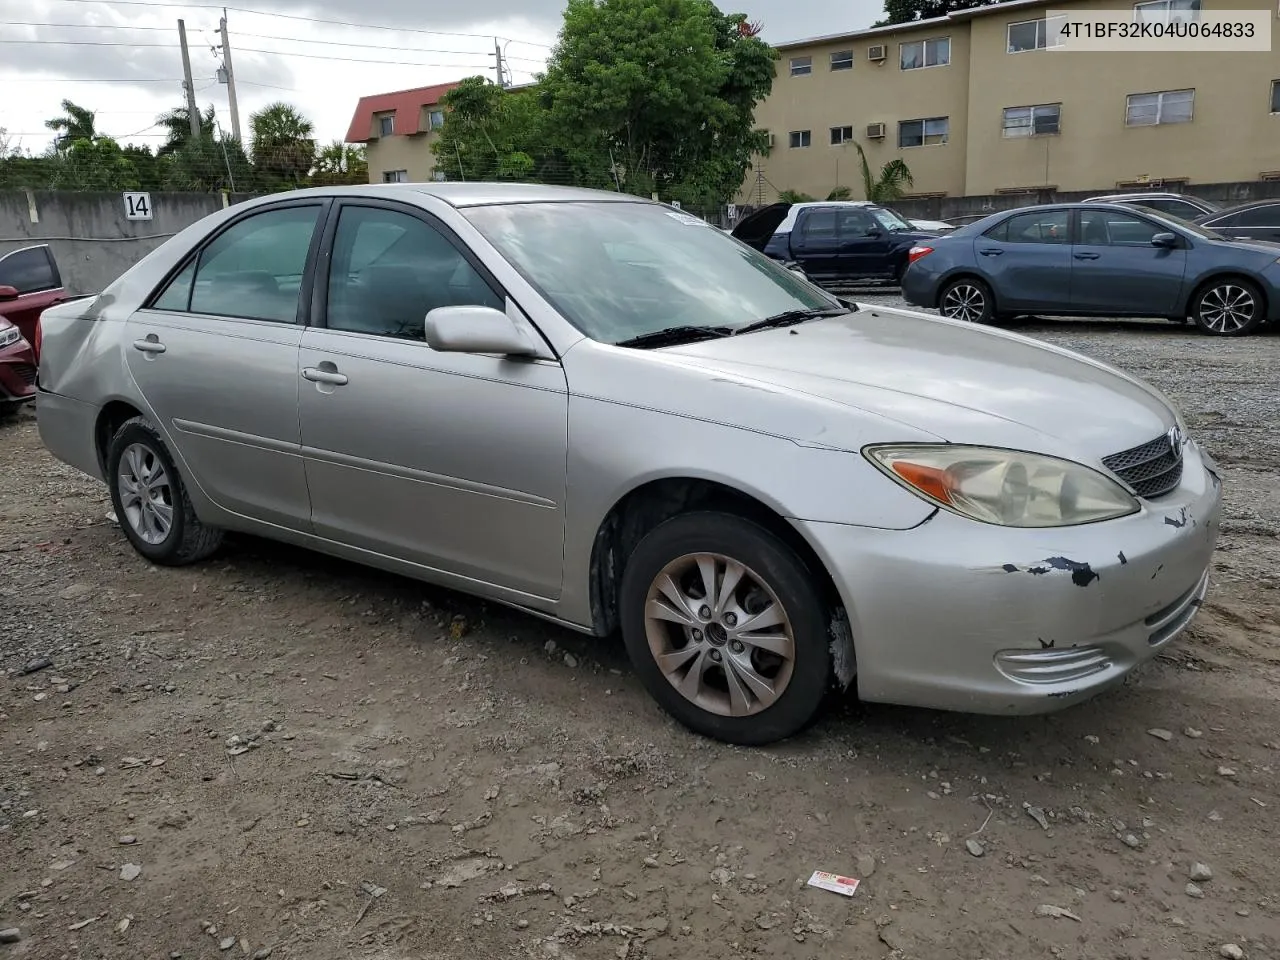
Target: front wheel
967	299
1228	308
725	628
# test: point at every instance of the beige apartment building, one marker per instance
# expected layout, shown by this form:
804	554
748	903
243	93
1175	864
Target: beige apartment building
979	102
397	130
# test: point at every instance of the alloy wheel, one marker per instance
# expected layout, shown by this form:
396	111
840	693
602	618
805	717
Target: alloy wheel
719	634
964	301
146	493
1227	308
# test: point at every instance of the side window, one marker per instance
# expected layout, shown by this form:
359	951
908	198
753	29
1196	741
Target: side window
1104	228
251	270
820	225
29	271
1268	216
856	223
999	232
390	269
1050	227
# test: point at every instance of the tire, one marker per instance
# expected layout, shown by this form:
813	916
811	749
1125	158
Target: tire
803	683
970	300
1228	307
167	532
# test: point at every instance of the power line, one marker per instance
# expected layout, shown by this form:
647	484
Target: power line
11	79
294	16
80	26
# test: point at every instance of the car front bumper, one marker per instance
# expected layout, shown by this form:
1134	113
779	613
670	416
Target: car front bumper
960	615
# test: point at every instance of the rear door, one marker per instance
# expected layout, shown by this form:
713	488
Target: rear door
1115	269
1256	223
215	354
814	242
33	273
1027	260
864	244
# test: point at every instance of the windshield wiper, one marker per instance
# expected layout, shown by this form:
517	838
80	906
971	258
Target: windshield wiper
670	336
789	318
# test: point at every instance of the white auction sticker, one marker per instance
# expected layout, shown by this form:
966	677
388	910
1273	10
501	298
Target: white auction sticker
833	882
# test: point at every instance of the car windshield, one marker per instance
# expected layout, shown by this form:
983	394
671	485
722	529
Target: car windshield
619	270
890	220
1194	228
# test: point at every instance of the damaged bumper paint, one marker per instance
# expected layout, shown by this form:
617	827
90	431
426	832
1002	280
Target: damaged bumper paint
960	615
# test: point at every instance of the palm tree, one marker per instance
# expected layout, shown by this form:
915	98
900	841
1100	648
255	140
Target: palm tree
283	147
177	125
76	123
894	177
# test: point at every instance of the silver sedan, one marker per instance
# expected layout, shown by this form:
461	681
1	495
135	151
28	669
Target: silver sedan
604	412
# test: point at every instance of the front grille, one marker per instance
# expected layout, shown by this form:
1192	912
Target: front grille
1152	469
26	372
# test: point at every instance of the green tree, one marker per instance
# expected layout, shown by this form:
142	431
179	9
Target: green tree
494	134
905	11
177	125
211	163
794	196
76	123
657	96
340	163
283	146
890	184
840	193
95	164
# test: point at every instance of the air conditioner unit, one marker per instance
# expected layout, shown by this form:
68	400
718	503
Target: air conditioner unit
875	131
878	52
772	139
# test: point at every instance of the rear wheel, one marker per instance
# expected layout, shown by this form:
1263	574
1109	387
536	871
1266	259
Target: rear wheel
967	299
150	500
1230	307
726	629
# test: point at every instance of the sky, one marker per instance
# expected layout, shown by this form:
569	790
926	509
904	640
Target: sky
122	59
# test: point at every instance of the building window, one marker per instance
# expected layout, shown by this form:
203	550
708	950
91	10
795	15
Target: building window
1037	121
395	176
800	138
1167	106
1035	34
842	60
1275	96
926	53
435	119
1167	11
386	124
919	133
801	66
841	135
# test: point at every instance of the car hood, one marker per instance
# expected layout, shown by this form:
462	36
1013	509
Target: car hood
1268	247
943	379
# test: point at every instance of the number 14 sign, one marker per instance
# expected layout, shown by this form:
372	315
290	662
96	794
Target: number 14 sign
137	206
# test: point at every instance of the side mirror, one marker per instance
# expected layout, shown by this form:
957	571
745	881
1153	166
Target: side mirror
8	293
875	232
476	330
1164	240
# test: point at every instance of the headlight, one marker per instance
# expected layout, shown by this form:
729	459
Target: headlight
1005	487
9	335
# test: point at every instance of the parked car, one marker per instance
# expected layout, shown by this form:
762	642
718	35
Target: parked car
1096	260
1259	220
29	282
833	242
17	368
607	413
1179	205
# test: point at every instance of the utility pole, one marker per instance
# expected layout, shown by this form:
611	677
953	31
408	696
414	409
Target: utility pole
497	54
193	113
231	78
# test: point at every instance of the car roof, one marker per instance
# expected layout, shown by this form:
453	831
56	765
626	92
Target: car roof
1248	205
1140	196
468	194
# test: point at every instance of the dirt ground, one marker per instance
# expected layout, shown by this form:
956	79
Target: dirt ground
274	753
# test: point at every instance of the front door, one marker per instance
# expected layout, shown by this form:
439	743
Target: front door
1116	270
814	243
216	357
453	461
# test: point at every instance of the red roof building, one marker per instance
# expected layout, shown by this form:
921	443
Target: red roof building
397	129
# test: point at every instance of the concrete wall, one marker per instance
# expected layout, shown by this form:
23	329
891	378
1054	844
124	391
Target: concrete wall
88	232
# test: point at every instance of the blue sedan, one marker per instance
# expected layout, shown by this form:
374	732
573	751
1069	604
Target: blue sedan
1096	260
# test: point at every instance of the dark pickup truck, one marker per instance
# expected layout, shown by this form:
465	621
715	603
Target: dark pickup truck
834	242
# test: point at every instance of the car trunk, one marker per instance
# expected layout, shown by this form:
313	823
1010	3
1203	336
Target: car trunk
756	228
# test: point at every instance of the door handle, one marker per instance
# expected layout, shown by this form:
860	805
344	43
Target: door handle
1087	256
316	375
149	345
991	252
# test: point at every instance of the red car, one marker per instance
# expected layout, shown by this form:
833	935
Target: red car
29	283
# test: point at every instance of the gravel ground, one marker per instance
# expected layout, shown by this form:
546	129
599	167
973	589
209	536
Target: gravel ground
274	753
